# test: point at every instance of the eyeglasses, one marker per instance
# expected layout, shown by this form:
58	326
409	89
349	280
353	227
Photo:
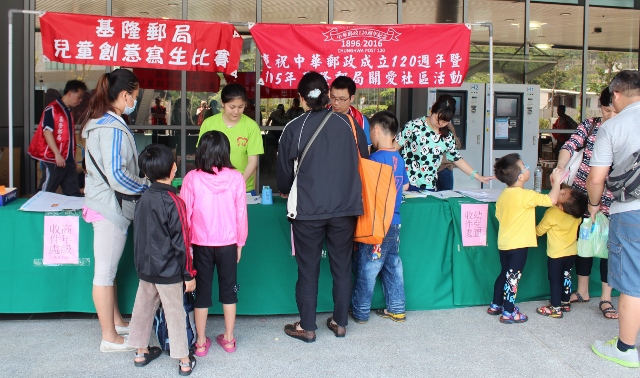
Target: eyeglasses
526	168
338	100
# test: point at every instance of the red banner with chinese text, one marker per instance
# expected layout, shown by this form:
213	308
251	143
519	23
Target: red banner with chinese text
171	80
140	42
374	56
248	81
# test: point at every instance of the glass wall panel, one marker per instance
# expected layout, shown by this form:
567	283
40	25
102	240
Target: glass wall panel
508	39
364	12
432	11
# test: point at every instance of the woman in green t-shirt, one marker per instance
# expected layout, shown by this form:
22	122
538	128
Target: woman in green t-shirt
243	132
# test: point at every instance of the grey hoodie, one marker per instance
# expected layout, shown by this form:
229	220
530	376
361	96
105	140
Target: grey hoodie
111	144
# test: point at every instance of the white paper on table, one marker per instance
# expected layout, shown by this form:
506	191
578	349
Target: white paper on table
414	194
46	201
252	200
502	128
444	194
482	195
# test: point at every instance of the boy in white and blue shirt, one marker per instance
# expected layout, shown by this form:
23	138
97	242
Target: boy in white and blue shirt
385	258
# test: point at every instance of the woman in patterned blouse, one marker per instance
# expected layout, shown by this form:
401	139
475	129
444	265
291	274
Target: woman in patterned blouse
585	137
425	140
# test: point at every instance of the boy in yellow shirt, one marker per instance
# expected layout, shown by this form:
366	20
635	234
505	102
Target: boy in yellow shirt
561	223
516	213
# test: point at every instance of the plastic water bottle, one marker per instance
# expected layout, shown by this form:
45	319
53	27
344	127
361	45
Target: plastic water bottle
267	195
537	179
585	229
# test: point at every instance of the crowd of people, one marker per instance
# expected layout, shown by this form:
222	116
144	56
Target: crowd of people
180	241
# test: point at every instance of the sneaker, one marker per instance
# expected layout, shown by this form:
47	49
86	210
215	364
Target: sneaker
359	321
609	351
494	309
122	330
398	318
106	346
550	311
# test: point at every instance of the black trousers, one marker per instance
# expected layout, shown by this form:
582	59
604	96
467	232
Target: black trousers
560	279
65	177
309	237
506	287
584	265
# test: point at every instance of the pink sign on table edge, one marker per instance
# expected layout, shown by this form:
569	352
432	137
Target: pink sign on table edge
61	240
473	219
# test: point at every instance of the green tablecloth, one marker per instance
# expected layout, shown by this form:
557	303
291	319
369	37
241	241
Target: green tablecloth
438	271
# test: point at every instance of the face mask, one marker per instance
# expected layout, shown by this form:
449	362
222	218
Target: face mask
128	110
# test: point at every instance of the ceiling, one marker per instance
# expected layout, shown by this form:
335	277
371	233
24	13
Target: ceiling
620	27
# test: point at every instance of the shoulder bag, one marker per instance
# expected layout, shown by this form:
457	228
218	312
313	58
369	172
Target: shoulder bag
127	202
576	160
378	198
624	179
292	199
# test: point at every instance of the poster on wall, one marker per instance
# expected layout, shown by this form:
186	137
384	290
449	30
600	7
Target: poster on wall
374	56
140	42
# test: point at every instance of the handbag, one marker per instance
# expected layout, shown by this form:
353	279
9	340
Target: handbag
292	199
127	202
378	198
624	179
576	160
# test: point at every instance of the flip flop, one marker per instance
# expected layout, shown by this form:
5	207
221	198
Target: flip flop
223	343
579	298
206	346
610	310
154	352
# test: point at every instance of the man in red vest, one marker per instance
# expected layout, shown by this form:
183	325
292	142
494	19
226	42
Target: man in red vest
54	143
342	93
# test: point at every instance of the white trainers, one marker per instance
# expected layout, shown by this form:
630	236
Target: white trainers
609	351
122	330
106	346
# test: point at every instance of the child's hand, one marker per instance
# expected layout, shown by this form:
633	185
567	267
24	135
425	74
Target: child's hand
556	176
190	286
239	253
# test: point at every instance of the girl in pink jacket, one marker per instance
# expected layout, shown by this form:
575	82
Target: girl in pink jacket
217	213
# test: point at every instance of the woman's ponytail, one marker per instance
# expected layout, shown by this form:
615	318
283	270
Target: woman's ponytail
107	89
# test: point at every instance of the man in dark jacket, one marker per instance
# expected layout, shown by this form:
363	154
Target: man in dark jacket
326	204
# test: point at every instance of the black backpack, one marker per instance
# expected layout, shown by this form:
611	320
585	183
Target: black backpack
624	179
160	324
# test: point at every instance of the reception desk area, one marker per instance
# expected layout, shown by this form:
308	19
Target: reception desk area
438	271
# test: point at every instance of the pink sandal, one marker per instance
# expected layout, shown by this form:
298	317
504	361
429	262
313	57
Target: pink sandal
206	347
223	343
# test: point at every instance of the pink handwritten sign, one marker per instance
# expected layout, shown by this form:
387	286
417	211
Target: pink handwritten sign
61	234
474	224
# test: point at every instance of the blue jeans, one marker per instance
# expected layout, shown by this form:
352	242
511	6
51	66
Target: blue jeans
445	180
369	265
624	252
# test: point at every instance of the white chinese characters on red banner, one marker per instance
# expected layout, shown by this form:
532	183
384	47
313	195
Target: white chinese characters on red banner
374	56
141	42
248	81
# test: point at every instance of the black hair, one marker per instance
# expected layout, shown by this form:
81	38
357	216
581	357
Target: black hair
626	82
233	91
310	82
74	86
576	205
605	97
213	151
109	86
506	169
156	162
445	109
562	107
387	122
344	82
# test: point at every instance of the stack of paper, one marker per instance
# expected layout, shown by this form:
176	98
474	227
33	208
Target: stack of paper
45	201
482	195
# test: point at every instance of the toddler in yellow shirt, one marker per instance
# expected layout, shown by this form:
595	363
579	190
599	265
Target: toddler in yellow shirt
516	213
561	223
